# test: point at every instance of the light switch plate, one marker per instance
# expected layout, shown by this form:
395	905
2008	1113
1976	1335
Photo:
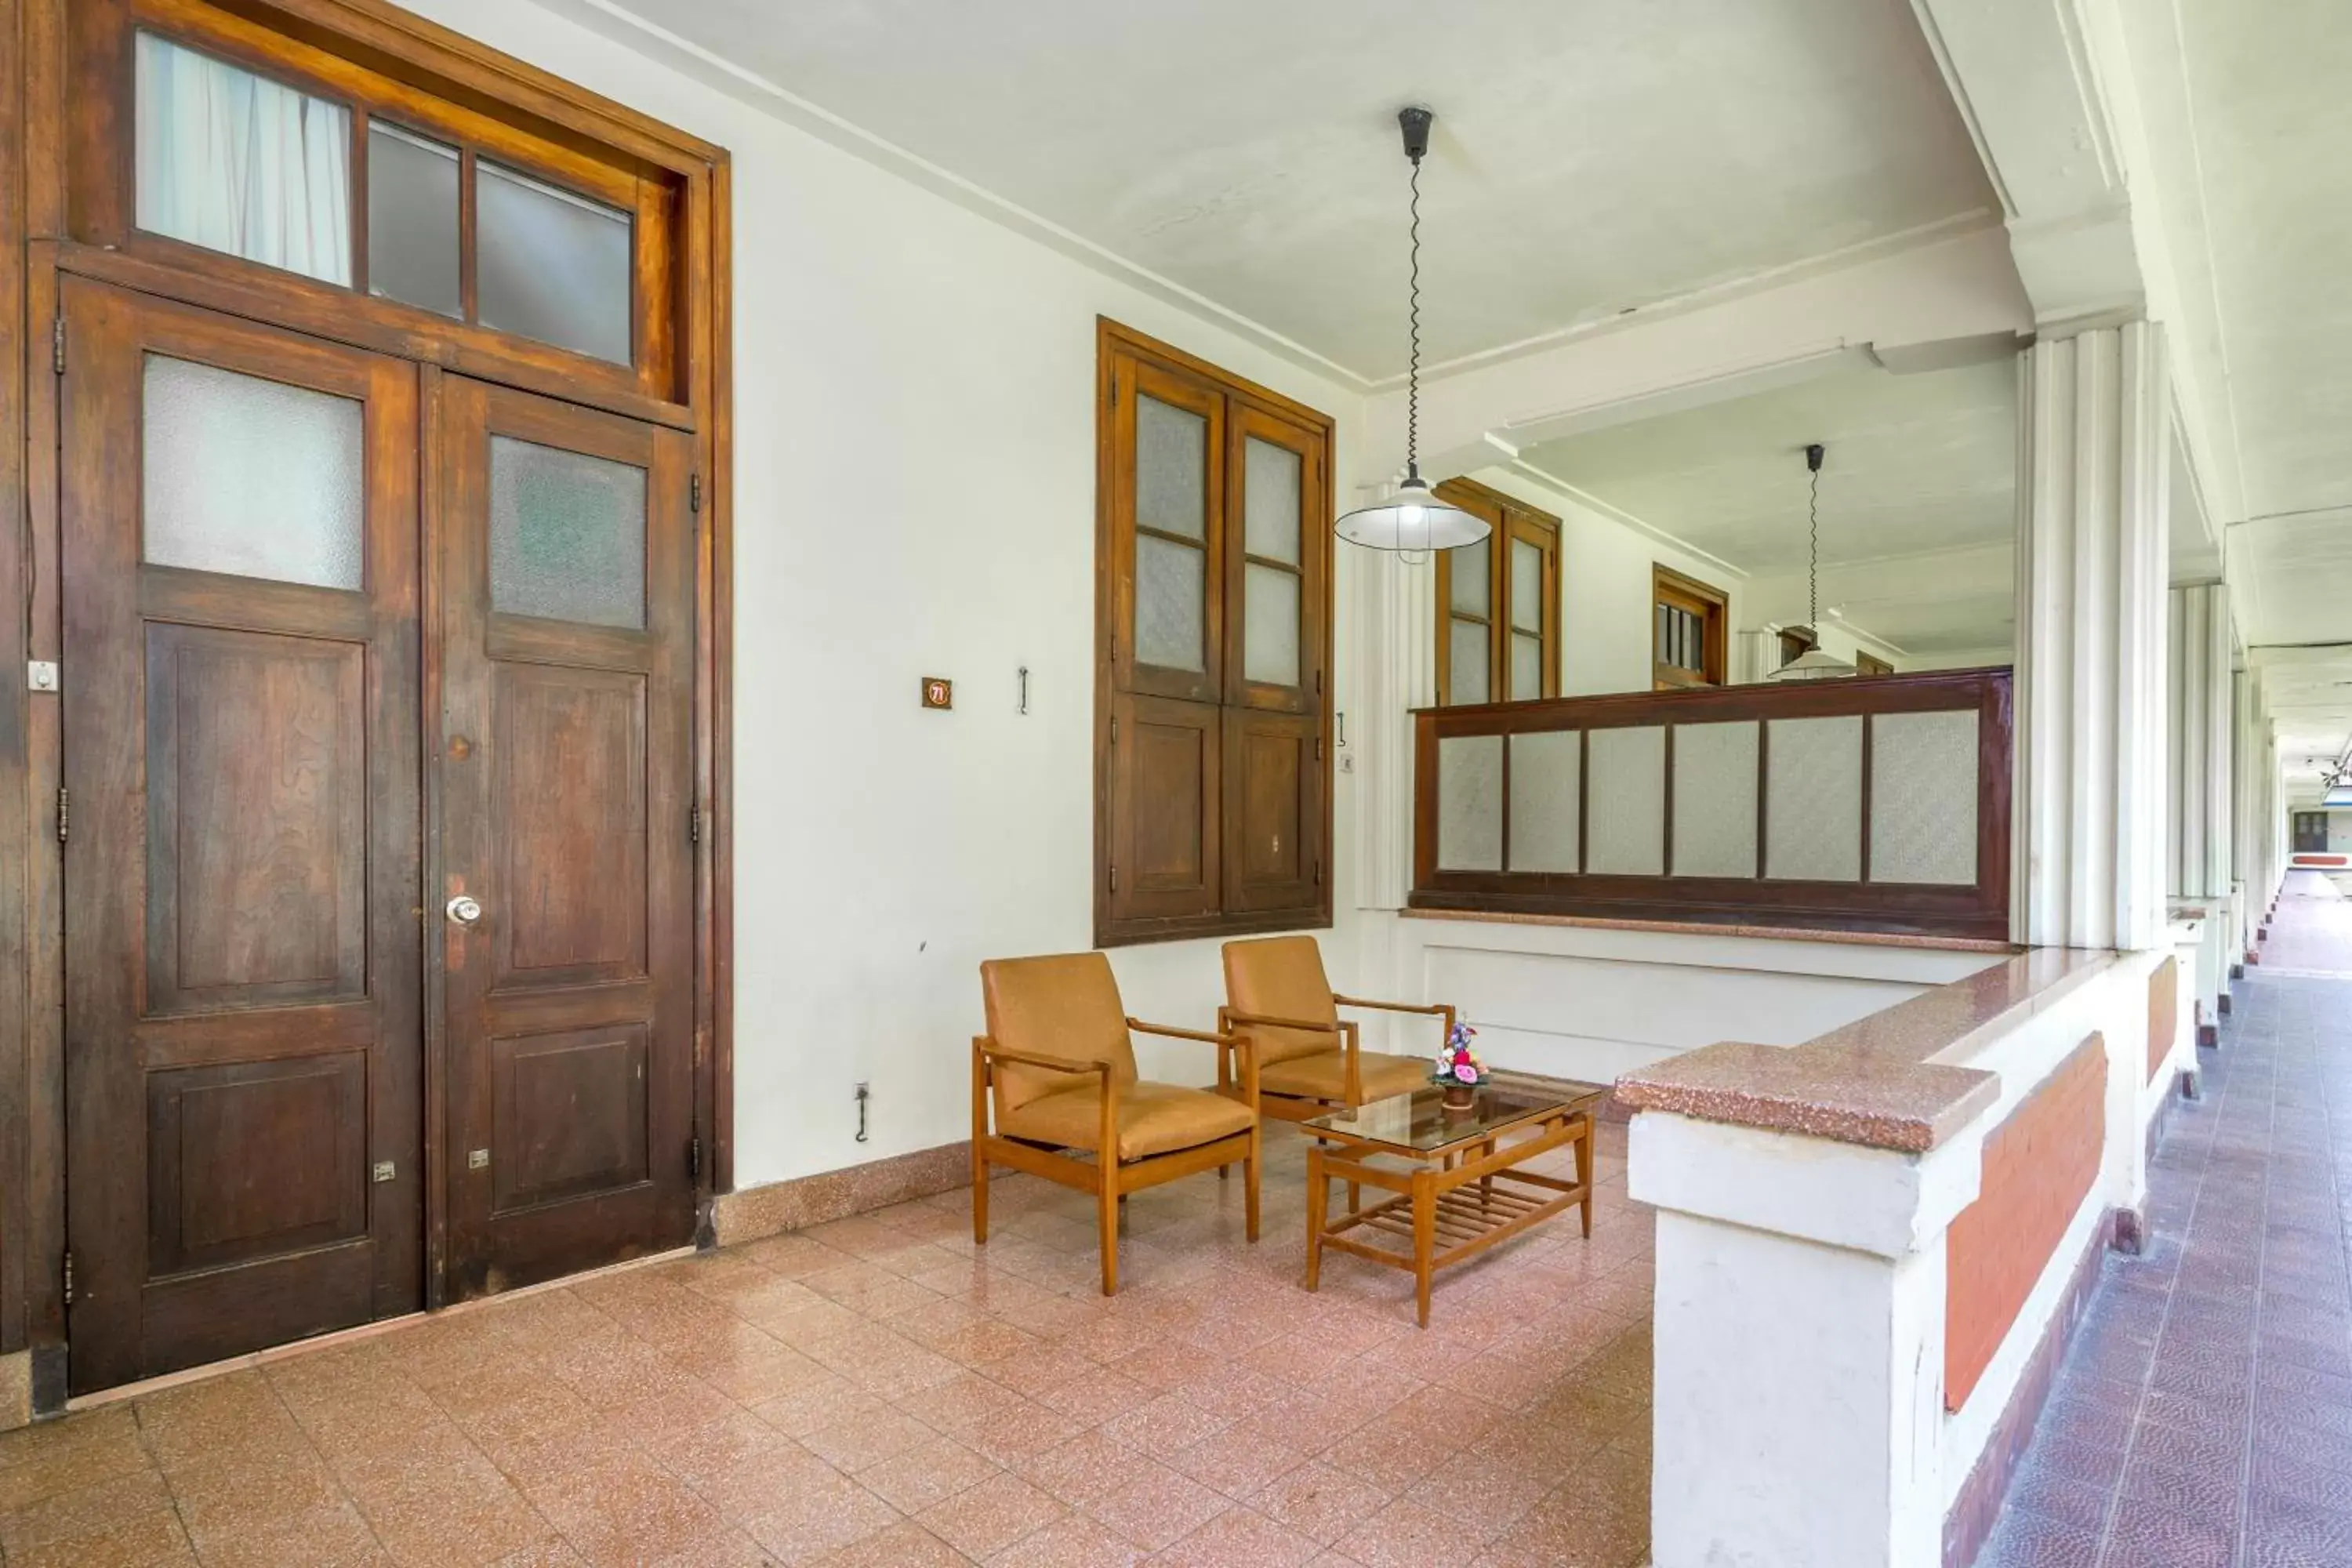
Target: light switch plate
41	675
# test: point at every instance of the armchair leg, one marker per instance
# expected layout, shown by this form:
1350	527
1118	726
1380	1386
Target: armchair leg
1249	1185
979	1195
1108	1201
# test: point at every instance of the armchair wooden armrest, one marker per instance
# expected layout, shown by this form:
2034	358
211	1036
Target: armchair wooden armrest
1225	1041
1350	1049
985	1050
982	1046
1174	1033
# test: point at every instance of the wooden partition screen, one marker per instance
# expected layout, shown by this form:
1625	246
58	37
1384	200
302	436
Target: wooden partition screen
1856	805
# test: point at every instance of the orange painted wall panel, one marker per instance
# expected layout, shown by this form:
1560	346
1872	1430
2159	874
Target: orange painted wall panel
2163	1012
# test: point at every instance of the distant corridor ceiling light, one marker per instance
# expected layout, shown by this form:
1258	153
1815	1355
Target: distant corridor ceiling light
1816	663
1413	518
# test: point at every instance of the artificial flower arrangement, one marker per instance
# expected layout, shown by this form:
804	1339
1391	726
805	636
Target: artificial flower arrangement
1459	1067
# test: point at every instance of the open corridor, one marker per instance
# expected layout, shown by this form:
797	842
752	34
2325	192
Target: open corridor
877	1391
2204	1416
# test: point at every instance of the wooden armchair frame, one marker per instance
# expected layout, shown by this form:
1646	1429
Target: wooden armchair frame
1300	1107
1108	1177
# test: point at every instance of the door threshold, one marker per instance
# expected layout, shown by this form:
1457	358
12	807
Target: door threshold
254	1360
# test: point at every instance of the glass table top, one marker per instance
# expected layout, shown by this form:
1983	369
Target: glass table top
1421	1122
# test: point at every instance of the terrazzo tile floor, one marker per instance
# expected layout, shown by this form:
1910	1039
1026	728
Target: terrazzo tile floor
879	1391
2203	1418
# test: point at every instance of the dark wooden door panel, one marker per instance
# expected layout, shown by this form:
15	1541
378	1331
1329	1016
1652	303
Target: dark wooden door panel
1274	811
567	771
243	971
1164	820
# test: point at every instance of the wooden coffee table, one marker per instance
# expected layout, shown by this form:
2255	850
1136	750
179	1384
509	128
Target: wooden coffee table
1461	1190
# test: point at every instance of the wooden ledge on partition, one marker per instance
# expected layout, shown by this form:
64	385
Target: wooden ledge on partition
1877	1082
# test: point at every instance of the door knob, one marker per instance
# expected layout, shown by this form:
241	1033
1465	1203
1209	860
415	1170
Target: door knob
464	910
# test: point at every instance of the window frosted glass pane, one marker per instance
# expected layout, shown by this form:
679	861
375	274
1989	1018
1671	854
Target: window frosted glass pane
551	265
1468	678
1627	816
1470	803
239	164
1923	798
1715	800
1526	667
252	477
1468	564
1527	586
412	195
1270	500
1171	468
1170	609
1270	626
1812	800
1543	801
567	535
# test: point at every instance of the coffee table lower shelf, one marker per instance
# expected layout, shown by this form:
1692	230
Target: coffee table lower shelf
1444	1214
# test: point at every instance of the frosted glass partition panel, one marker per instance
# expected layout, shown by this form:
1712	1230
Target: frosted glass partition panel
1469	566
1544	788
238	163
1923	798
1526	667
551	265
1270	626
1715	800
1625	819
1171	607
1527	586
1469	656
1171	468
1812	800
251	477
1470	803
1270	500
567	535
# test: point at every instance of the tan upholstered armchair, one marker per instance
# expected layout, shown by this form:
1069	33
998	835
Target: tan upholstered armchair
1309	1058
1058	1070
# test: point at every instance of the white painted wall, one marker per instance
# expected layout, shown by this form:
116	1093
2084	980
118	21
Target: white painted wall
915	482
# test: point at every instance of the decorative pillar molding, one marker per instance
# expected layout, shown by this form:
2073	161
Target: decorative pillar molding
2260	807
1397	668
2091	551
2199	744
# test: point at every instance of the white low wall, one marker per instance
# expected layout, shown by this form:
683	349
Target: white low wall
1592	1002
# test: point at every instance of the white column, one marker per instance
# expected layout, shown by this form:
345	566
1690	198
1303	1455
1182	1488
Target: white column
2199	742
2089	722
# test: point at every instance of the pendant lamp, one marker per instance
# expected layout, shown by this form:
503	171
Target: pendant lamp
1816	663
1413	518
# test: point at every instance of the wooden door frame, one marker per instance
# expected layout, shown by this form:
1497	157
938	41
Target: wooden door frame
36	247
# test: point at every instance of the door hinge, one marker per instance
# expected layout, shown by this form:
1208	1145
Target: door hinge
57	345
1318	870
694	493
694	824
1114	877
1318	748
694	1158
65	813
70	1289
1114	731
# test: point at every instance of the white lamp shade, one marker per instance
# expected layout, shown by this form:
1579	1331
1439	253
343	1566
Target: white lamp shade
1813	664
1413	518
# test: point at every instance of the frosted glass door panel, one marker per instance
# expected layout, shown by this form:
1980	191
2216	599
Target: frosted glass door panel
251	477
1812	800
1270	625
1470	803
1468	653
238	163
1270	500
1543	801
1626	817
1469	566
412	199
551	265
1526	667
1171	606
1715	800
567	535
1527	586
1172	469
1923	798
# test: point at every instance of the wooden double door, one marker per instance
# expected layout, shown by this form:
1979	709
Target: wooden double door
378	731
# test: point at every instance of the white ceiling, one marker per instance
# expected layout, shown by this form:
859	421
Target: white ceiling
1922	465
1589	158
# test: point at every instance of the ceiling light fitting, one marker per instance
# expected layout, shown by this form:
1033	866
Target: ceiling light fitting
1816	663
1412	520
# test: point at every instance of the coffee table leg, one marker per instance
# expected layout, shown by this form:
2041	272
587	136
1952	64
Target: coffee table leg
1319	1193
1584	1172
1424	1237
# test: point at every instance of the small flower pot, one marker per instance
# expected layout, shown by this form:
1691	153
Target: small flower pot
1460	1096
